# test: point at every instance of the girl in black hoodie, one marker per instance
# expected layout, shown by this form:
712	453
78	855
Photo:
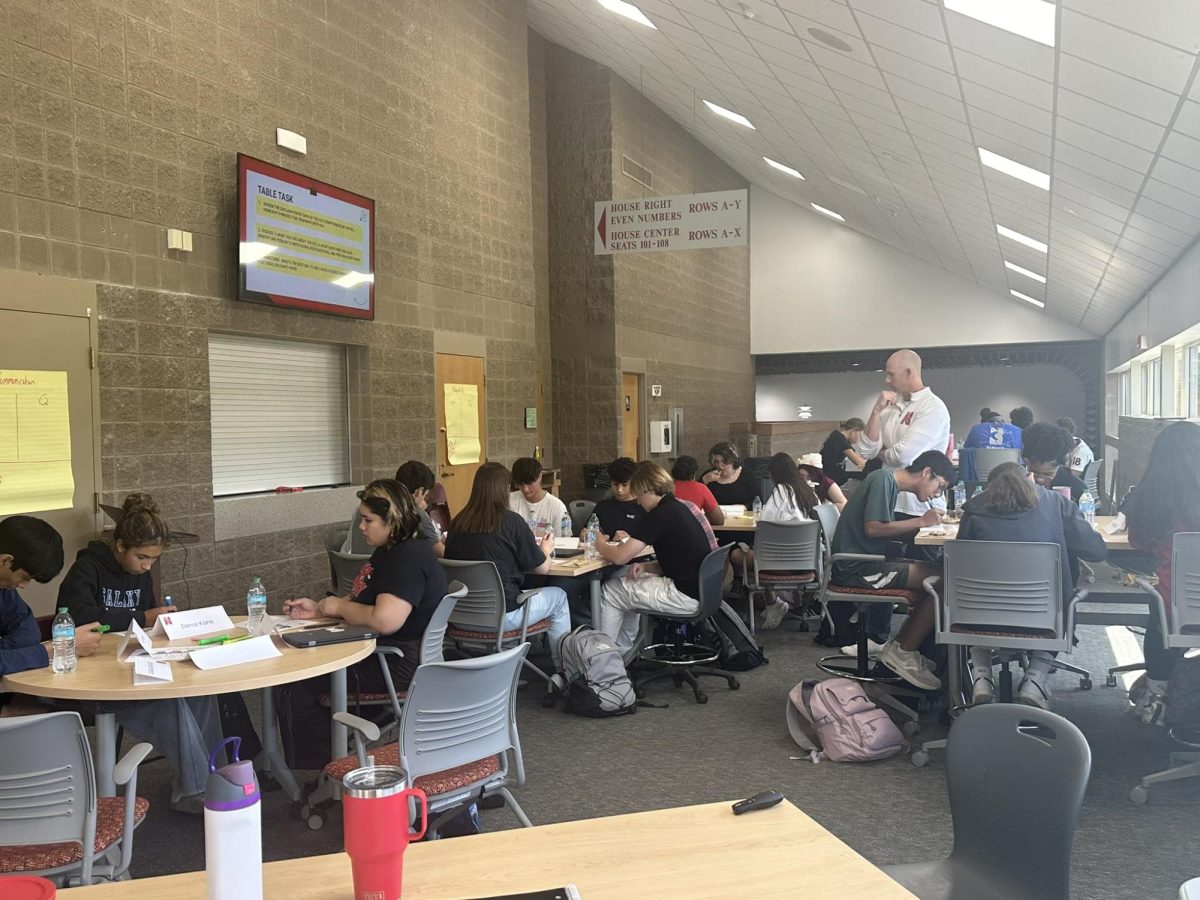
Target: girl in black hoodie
113	586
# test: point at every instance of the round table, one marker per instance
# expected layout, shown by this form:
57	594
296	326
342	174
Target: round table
103	677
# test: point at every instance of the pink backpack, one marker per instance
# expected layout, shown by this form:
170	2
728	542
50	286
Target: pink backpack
836	719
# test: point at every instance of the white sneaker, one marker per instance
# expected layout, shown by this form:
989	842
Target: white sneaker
1033	691
774	614
909	665
983	690
874	648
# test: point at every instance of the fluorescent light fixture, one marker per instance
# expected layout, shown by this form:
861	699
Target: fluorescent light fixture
628	10
1015	169
1033	19
1021	270
827	212
250	252
729	114
1021	238
1027	298
787	170
354	279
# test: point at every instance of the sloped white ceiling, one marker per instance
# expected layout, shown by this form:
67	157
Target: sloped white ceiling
885	130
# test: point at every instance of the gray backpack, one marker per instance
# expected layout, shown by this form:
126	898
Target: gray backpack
597	684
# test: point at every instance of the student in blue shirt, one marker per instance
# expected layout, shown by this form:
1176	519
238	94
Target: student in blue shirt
993	433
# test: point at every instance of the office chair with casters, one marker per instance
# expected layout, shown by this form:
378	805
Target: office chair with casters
786	558
1016	776
457	735
1181	628
580	511
51	821
680	659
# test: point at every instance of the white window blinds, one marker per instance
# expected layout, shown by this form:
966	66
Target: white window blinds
279	414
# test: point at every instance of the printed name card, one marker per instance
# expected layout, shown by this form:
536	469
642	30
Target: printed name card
150	671
135	638
192	623
233	653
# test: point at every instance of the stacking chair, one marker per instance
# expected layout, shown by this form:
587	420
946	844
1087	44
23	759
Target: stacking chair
580	511
1091	478
786	558
343	567
457	733
478	617
680	659
51	821
1180	628
1016	778
987	458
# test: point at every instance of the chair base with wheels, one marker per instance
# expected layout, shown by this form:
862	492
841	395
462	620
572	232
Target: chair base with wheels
681	661
1183	765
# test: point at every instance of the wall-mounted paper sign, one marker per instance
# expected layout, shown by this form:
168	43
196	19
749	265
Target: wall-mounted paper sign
462	423
35	442
531	417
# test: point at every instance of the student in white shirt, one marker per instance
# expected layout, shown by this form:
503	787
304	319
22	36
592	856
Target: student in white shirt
1081	454
533	502
793	499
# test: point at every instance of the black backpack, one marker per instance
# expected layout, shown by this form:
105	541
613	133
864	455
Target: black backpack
726	633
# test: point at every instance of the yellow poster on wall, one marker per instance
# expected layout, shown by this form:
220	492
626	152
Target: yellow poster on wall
35	442
462	423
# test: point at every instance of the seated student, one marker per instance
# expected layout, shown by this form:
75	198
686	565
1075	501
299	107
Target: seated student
1021	417
826	489
792	499
418	478
487	529
731	483
839	448
113	585
1014	508
1165	502
438	506
866	525
30	550
395	594
1080	455
619	513
1045	446
670	585
993	432
695	492
533	503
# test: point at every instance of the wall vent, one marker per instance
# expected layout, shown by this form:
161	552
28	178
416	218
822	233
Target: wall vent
640	174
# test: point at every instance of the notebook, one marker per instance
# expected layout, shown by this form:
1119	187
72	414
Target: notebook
328	634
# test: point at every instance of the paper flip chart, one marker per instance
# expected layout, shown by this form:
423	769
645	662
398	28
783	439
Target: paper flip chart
462	423
35	442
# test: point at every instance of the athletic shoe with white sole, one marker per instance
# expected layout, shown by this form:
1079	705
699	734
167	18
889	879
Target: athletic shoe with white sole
983	690
874	648
774	614
909	665
1033	691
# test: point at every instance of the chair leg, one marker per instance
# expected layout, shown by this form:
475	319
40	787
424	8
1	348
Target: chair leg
1114	671
512	804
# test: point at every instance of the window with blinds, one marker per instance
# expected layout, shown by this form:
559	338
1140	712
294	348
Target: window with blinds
279	414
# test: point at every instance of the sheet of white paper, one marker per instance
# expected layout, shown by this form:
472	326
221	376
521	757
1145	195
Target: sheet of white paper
566	543
1117	525
733	509
235	653
192	623
151	671
161	654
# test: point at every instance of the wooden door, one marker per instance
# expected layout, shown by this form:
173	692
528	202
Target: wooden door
631	415
51	342
461	373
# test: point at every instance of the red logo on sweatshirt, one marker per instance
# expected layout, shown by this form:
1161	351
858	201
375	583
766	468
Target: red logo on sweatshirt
907	420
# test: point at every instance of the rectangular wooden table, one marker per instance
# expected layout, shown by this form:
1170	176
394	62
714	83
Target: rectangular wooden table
578	567
691	853
1119	541
745	522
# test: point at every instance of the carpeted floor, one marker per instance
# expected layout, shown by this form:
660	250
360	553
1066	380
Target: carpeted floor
737	744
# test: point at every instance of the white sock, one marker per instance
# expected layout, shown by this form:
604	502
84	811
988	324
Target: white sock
1040	664
981	661
1158	687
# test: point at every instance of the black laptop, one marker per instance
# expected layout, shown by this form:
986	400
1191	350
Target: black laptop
328	634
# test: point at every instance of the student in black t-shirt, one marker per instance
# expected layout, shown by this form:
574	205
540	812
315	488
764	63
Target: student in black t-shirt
672	584
839	447
620	513
395	593
487	529
1045	448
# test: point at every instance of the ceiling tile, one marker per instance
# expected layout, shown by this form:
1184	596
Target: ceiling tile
915	15
1068	132
1111	121
1115	89
1004	79
1174	22
1000	46
881	33
1137	57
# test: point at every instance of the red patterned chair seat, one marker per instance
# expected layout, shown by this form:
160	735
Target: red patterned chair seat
900	593
465	634
790	577
434	784
110	823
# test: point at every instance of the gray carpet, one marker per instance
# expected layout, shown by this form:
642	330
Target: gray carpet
737	744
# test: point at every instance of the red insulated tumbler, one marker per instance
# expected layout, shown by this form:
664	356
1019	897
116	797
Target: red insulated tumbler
375	809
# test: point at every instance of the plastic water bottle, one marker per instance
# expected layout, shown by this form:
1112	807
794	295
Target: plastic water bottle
256	604
564	527
1087	506
589	538
533	524
757	508
960	496
62	636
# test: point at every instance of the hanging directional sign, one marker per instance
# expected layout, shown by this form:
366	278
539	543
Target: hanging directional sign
682	222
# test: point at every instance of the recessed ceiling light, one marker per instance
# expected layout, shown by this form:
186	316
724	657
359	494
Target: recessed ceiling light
1033	19
1015	169
787	170
1020	270
729	114
830	40
1021	238
828	212
628	10
1027	298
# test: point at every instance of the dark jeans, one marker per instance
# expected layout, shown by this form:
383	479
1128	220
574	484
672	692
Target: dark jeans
1160	660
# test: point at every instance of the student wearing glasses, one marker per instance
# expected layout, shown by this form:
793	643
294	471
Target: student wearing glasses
395	594
731	483
1045	448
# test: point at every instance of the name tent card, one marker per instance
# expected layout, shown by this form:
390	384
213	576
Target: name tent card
135	638
150	671
192	623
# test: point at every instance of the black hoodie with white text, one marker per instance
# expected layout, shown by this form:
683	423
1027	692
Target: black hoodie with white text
98	589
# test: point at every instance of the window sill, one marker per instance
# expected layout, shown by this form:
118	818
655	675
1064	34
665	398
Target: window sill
240	517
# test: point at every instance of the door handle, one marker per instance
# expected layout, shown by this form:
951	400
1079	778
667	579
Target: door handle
447	475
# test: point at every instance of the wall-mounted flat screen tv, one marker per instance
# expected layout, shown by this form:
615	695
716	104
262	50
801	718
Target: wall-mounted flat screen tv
303	243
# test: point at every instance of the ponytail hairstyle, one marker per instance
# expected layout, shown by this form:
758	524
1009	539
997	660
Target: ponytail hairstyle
784	472
141	523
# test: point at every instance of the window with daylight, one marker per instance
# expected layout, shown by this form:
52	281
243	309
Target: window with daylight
1152	387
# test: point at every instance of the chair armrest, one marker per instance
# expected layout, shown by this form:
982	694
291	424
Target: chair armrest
862	557
387	649
368	730
126	769
125	772
1157	605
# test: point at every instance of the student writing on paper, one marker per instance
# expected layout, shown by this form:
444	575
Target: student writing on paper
395	593
113	585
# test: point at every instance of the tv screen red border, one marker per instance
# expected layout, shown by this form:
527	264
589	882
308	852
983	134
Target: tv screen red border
315	231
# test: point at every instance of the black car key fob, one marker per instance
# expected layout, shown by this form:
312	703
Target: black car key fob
761	800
